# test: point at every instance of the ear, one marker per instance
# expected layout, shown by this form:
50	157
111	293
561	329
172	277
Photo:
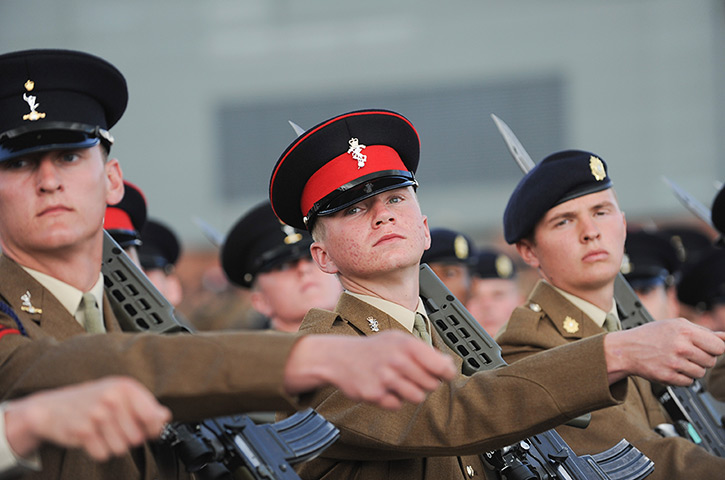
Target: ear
322	258
527	253
427	232
114	179
261	304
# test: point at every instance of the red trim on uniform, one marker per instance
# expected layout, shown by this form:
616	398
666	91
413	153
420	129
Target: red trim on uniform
117	219
8	331
344	169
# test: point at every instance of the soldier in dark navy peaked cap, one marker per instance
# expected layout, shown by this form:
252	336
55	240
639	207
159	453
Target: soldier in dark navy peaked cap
273	260
351	180
495	289
652	267
53	99
451	256
158	253
565	221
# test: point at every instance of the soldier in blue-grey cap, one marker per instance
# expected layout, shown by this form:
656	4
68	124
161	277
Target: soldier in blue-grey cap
351	181
565	221
56	179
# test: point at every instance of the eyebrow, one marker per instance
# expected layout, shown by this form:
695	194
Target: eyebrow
572	214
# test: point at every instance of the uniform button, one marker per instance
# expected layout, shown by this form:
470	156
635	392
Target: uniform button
470	471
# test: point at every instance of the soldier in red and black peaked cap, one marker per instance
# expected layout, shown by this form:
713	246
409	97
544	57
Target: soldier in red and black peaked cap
565	221
125	220
56	179
351	180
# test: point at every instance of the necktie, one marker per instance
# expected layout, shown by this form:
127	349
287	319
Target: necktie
420	330
92	314
611	323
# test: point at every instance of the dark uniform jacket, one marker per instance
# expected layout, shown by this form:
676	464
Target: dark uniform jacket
442	437
196	376
545	322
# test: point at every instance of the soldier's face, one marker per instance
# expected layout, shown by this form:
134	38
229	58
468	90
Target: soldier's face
579	244
455	276
286	294
55	200
374	237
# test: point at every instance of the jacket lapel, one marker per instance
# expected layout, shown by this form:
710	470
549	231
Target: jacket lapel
568	319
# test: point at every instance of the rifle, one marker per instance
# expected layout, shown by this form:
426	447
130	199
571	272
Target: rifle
691	408
220	447
543	456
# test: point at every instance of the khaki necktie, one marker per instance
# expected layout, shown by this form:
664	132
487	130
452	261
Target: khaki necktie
92	314
611	323
420	329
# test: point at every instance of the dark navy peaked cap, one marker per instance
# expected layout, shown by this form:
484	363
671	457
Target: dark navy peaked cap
53	99
259	242
449	246
558	178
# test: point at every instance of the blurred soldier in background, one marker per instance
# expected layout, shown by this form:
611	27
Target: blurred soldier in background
451	256
495	291
273	261
652	268
125	220
158	253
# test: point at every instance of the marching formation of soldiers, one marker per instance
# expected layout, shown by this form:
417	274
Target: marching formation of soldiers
331	262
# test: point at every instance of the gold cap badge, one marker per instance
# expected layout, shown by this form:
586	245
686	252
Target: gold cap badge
460	247
292	235
597	168
33	115
627	265
504	266
570	325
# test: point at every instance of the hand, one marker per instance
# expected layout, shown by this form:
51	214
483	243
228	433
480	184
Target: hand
386	369
105	417
673	352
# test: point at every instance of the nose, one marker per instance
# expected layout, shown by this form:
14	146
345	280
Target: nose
47	176
382	214
590	231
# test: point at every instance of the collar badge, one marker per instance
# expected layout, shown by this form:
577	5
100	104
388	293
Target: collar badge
373	324
30	99
356	151
570	325
27	306
597	168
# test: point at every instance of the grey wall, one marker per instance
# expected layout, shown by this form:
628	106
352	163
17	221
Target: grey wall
638	82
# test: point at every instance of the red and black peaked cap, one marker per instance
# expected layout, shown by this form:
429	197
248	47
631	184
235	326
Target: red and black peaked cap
342	161
52	98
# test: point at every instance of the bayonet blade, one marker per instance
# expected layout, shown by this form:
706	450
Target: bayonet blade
691	203
522	157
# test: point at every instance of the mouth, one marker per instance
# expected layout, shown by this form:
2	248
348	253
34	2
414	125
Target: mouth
54	209
595	256
387	239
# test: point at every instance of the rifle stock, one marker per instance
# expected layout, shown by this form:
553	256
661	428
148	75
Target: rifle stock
543	456
214	448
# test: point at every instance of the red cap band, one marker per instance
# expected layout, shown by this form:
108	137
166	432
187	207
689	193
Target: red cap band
344	169
117	219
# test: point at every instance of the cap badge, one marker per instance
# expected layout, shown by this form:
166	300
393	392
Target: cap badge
597	168
356	151
504	266
373	324
27	306
460	247
30	99
570	325
292	235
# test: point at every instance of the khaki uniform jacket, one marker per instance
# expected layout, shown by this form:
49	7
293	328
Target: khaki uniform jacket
530	332
196	376
442	437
